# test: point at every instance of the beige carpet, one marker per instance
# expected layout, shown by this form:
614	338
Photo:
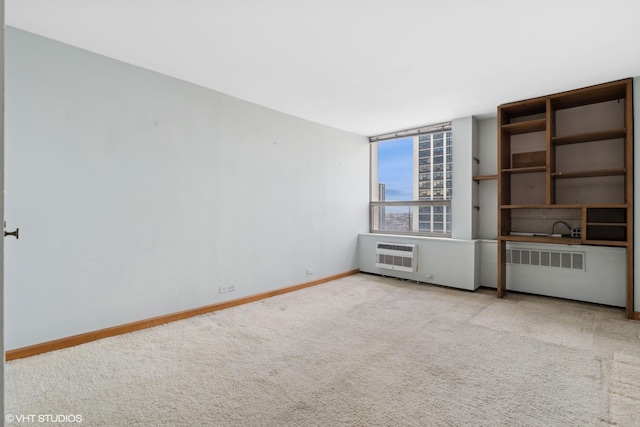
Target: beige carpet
359	351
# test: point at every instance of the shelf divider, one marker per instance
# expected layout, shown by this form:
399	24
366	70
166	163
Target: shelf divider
602	135
529	126
530	169
588	174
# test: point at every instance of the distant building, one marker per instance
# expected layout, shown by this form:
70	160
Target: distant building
434	181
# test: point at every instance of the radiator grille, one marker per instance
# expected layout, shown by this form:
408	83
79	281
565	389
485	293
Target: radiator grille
543	258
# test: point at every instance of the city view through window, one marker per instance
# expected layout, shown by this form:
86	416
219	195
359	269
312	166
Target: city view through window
414	169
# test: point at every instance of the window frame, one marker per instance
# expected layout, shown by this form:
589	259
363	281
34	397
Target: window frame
445	170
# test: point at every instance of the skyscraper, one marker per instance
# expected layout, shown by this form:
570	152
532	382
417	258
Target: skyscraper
434	181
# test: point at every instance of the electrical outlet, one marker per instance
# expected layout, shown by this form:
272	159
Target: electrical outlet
228	288
311	271
576	232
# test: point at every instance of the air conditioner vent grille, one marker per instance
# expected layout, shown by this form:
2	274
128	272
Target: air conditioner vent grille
395	256
392	247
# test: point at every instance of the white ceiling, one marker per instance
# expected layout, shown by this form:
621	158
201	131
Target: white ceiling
365	66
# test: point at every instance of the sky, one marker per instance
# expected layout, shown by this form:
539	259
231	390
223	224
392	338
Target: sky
395	168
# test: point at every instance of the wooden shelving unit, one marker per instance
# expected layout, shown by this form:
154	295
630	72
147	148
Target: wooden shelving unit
572	151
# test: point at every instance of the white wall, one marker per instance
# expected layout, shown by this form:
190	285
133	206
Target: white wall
2	334
488	189
441	261
488	201
464	216
489	263
139	195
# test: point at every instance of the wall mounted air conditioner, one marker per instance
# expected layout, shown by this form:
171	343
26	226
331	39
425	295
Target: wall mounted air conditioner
397	256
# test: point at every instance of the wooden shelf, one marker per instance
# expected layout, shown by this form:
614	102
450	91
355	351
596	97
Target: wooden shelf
602	135
537	125
525	108
606	205
541	206
588	174
562	240
604	243
566	206
542	239
590	95
531	169
479	178
608	224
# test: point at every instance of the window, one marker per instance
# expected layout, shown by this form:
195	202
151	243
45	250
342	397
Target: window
411	175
